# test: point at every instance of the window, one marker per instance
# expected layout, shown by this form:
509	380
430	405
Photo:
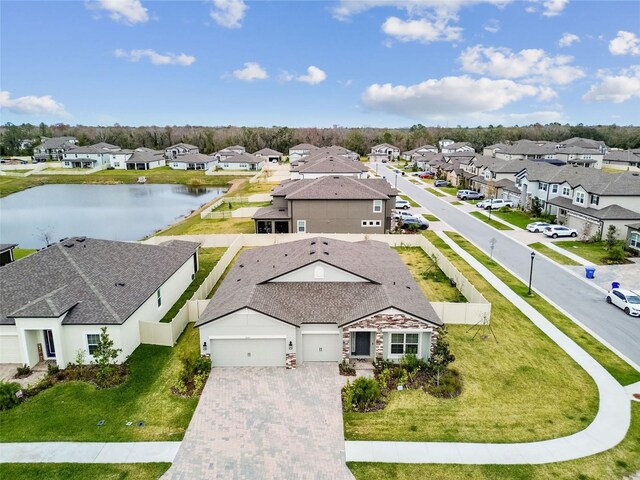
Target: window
543	187
579	197
595	199
634	240
403	343
116	164
66	164
554	188
92	342
371	223
377	206
566	191
159	298
302	226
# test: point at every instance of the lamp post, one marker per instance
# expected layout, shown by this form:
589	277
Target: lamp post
396	181
533	255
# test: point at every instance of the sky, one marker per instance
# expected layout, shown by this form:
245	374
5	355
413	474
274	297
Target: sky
377	63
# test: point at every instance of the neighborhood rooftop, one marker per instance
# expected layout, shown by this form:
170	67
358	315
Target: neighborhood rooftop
335	187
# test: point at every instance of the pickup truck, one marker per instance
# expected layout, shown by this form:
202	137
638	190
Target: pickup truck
494	204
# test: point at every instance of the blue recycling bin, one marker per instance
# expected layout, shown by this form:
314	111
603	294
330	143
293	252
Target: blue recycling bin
590	272
615	284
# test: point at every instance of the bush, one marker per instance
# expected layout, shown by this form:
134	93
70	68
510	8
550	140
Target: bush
449	385
193	375
366	392
412	363
616	254
52	369
23	371
8	397
380	364
346	369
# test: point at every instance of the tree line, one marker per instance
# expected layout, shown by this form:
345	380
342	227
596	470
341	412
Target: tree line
360	140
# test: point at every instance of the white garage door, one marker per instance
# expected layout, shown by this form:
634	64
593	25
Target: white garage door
248	352
9	349
321	347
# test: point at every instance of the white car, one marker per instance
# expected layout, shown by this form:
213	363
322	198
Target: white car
537	227
626	300
555	231
401	214
402	203
494	203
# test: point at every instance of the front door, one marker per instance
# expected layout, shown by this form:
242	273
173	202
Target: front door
48	343
363	344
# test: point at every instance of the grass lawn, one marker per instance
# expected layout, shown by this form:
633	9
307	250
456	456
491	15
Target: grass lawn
431	218
436	288
495	224
552	254
435	192
617	463
224	207
70	411
522	389
83	471
517	218
450	190
207	259
457	203
247	189
611	362
19	253
417	182
195	225
592	252
410	200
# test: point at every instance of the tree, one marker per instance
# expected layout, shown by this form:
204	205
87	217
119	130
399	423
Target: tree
441	356
104	356
612	237
356	142
387	137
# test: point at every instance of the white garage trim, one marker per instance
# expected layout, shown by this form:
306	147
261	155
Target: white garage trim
245	337
320	333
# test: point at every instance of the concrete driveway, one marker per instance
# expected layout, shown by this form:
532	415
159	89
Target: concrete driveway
273	423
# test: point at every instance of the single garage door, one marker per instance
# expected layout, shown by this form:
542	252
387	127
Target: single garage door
9	349
247	352
321	347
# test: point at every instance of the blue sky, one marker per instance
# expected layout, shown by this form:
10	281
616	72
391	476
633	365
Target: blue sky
313	63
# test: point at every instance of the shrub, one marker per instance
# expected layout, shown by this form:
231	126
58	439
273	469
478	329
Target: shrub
52	369
347	397
616	254
366	392
8	397
346	369
380	364
441	356
449	386
412	363
193	375
23	371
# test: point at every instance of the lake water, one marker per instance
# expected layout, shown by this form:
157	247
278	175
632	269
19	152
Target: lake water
110	212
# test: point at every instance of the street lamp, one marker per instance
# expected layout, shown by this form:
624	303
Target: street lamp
396	181
533	255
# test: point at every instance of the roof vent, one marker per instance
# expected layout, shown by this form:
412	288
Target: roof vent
286	254
282	209
325	243
241	266
312	252
326	253
337	177
408	287
119	284
313	242
238	280
69	245
81	239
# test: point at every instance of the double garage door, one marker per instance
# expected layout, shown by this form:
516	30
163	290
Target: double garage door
248	352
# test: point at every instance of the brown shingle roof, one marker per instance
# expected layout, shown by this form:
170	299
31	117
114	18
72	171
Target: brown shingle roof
336	187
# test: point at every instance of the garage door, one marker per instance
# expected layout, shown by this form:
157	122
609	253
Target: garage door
321	347
9	349
248	352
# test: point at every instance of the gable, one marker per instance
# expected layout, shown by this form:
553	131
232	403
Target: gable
319	272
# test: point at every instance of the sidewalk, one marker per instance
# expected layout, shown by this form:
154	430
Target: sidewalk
607	429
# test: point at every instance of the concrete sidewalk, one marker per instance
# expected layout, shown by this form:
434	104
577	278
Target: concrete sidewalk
607	429
88	452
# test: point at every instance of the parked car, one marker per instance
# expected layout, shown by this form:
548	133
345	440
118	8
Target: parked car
420	222
402	203
626	300
537	227
401	214
555	231
440	183
384	160
494	203
469	195
426	175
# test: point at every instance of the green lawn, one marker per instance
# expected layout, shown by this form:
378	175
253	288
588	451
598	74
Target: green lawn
431	218
247	189
19	253
207	259
552	254
592	252
495	224
410	200
437	288
82	471
435	192
224	207
70	411
618	463
195	225
457	203
524	388
622	372
450	190
518	218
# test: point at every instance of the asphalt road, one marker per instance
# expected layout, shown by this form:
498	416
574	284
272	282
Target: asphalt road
584	302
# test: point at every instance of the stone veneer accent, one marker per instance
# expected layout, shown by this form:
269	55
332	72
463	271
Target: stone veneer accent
290	361
380	323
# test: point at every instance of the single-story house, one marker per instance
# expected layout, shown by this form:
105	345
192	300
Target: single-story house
6	253
316	300
241	161
193	161
300	151
457	147
269	155
55	301
145	159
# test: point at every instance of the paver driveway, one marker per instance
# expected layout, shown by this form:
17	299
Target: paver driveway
266	423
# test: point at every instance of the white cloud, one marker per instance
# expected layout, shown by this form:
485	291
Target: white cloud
447	97
550	8
128	12
421	30
492	25
568	39
313	77
156	58
625	43
615	88
228	13
531	65
33	105
251	71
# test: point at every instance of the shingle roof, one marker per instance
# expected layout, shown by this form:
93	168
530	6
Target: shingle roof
622	156
458	145
56	142
336	187
612	212
329	164
194	158
99	282
7	246
182	145
384	145
386	283
268	152
271	213
243	158
583	142
303	146
145	156
591	179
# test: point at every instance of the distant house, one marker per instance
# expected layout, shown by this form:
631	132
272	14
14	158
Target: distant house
580	156
585	143
384	151
317	300
422	150
145	159
93	156
316	166
445	142
270	155
241	161
333	204
228	152
457	147
53	148
179	149
193	161
528	150
6	253
55	301
633	236
300	151
628	160
491	150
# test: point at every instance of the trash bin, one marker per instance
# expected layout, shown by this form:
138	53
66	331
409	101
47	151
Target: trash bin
590	272
615	284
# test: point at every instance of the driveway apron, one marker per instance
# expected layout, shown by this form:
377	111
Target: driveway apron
267	422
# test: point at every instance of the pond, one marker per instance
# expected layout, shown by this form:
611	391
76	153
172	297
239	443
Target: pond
110	212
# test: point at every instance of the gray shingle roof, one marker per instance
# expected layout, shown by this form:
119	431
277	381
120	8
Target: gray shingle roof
612	212
591	179
145	156
7	246
303	146
329	164
182	145
338	187
56	142
386	284
268	152
99	282
194	158
271	213
243	158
